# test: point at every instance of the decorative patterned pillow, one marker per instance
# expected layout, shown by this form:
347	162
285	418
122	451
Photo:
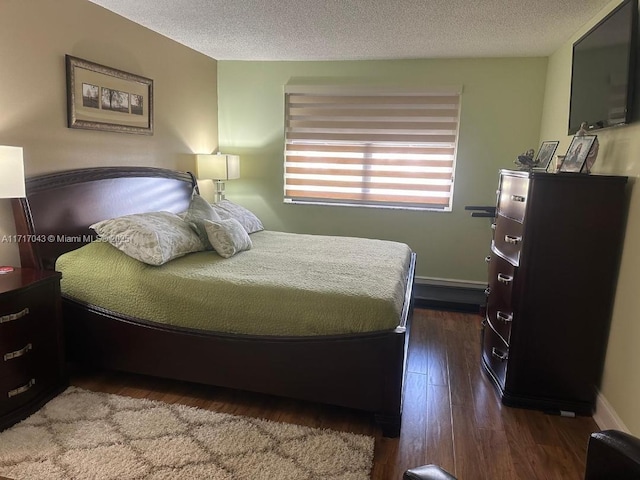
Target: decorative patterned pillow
228	237
153	238
247	219
200	210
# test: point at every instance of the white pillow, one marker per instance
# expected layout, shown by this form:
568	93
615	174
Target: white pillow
247	219
228	237
153	238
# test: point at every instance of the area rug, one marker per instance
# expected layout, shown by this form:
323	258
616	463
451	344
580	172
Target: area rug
86	435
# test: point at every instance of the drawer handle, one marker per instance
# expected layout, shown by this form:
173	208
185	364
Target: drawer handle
14	316
487	258
487	291
18	353
502	356
518	198
22	389
493	226
506	279
512	240
505	317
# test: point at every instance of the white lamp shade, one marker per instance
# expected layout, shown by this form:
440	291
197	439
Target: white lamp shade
218	167
11	172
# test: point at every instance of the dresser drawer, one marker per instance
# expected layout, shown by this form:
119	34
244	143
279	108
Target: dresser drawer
499	300
512	199
495	354
507	238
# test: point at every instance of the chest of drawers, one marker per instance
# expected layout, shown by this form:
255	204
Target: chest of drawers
551	280
32	368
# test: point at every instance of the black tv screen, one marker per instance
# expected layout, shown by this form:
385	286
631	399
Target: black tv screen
603	71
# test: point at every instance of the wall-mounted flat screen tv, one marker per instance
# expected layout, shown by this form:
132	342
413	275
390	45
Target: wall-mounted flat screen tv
603	76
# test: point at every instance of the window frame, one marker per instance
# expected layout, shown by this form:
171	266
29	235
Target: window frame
381	91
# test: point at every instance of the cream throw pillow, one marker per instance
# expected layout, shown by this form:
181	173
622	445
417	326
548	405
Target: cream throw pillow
247	219
153	238
228	237
199	211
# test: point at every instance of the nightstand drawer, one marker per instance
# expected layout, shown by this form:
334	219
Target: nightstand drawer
512	199
18	393
27	313
31	356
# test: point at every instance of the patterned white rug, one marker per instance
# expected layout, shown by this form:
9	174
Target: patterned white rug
86	435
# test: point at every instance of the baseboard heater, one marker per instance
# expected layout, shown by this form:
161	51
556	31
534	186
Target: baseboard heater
451	295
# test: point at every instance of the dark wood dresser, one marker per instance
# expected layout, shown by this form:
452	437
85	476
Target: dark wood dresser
552	272
32	368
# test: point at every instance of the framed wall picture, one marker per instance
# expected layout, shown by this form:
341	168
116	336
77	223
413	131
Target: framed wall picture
577	153
103	98
545	154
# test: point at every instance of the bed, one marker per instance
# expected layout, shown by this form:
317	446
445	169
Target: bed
362	370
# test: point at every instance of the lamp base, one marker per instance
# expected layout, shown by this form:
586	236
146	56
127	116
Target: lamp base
6	269
219	195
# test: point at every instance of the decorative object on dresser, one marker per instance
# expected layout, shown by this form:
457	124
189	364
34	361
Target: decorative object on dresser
103	98
554	166
545	154
577	153
218	167
552	271
525	160
32	368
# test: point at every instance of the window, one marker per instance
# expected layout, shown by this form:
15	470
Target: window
371	147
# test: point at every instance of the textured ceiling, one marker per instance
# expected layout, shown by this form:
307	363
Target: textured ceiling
362	29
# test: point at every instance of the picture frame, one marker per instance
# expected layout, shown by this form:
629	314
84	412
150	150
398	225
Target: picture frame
577	153
107	99
545	154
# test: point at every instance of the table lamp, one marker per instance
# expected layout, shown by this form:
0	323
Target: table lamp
11	179
218	167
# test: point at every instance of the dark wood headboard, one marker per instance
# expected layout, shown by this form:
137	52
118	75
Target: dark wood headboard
54	217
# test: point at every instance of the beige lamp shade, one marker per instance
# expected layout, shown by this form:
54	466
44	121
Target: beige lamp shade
11	172
218	167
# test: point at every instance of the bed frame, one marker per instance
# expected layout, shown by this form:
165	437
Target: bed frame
362	371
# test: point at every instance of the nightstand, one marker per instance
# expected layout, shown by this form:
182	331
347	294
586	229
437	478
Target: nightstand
32	365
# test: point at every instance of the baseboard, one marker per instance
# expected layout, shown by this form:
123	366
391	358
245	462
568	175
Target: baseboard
606	417
447	294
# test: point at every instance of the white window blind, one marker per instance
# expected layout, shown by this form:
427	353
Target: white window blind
358	146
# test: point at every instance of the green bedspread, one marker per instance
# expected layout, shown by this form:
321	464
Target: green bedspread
287	284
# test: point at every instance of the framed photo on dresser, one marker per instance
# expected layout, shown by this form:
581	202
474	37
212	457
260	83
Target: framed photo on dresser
545	154
577	153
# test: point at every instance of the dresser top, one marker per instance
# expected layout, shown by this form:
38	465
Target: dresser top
563	175
24	277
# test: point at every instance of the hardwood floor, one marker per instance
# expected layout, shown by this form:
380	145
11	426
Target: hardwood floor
452	415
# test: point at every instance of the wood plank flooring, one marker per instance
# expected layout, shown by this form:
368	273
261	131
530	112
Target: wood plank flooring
452	415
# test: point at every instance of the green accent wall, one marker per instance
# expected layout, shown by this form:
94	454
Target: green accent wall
501	113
